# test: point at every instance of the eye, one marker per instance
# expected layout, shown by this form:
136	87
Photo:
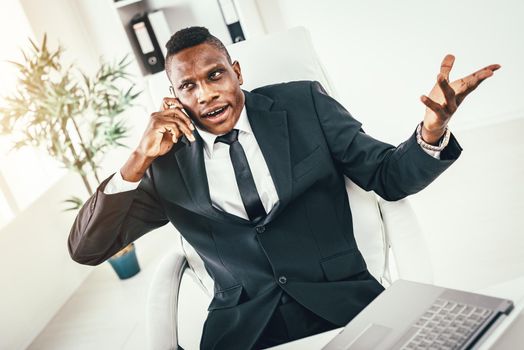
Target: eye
186	86
215	74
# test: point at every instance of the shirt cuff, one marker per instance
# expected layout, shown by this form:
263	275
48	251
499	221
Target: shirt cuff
117	184
432	150
434	154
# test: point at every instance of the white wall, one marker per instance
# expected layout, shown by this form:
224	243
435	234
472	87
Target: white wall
383	55
36	272
472	214
204	12
184	13
60	20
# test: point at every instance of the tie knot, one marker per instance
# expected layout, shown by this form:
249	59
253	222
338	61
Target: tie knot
228	138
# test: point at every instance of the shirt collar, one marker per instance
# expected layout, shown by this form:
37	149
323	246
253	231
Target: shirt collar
242	125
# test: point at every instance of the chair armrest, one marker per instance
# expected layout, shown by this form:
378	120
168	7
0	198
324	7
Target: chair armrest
407	242
162	302
368	229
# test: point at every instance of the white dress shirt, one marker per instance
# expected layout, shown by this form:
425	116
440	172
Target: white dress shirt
223	188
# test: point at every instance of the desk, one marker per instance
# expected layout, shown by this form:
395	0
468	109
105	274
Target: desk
513	290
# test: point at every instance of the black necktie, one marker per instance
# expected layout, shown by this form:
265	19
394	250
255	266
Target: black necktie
246	185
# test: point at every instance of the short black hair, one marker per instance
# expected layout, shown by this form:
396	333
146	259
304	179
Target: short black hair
193	36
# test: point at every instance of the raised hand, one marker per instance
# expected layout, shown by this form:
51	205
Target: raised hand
445	97
163	130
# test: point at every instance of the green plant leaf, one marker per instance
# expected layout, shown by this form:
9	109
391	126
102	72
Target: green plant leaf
35	48
72	115
43	48
74	202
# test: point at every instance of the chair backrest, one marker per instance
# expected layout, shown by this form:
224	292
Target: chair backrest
377	224
289	56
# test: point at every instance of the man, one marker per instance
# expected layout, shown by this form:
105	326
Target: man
254	181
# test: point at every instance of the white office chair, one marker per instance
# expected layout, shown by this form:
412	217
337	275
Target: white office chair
380	227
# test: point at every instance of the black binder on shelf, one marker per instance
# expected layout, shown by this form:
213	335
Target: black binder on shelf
230	16
147	43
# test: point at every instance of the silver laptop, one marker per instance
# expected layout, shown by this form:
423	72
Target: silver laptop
411	315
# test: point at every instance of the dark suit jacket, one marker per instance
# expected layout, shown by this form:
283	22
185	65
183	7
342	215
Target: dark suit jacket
304	246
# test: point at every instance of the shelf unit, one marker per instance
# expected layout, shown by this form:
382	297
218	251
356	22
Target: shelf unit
120	4
184	13
179	14
126	10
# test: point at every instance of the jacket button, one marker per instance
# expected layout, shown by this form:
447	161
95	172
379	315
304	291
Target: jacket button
282	280
260	229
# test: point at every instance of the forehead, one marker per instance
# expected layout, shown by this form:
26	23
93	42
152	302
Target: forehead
196	60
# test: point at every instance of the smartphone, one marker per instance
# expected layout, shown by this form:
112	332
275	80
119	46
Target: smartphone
172	91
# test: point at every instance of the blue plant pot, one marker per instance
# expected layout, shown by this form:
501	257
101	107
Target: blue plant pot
126	265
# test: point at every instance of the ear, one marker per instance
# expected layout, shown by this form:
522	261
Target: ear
171	87
172	90
238	72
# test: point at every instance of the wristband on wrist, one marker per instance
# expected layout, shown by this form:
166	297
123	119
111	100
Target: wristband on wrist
443	141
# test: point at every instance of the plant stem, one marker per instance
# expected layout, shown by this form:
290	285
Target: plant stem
77	161
82	144
86	183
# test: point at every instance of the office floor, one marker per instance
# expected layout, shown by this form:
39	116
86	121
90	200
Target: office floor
106	313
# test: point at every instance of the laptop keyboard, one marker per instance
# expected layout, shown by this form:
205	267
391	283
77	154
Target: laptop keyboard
446	325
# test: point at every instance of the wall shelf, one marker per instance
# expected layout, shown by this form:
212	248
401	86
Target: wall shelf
123	3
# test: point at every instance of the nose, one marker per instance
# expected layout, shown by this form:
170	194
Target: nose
207	94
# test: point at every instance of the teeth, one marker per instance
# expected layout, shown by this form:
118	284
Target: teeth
215	112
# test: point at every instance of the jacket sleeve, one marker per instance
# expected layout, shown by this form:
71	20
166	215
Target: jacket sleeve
108	222
392	172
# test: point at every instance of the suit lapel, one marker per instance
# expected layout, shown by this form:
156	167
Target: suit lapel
271	132
190	159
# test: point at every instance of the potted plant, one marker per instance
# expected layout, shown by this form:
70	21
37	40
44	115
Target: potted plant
73	116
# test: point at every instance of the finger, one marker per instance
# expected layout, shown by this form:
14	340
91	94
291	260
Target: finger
434	106
470	83
170	133
185	130
161	124
169	119
178	113
491	67
449	94
481	74
170	102
171	128
173	131
446	65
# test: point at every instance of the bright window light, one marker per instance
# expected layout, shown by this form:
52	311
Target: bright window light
26	173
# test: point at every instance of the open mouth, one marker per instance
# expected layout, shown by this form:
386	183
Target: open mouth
216	114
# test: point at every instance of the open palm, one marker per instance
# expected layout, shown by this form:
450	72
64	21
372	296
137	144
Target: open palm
445	97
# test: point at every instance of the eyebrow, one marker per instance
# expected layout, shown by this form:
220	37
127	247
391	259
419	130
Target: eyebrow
212	68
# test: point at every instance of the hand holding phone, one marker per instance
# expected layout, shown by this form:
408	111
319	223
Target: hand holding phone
164	129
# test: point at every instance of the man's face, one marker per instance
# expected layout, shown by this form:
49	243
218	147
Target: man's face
204	81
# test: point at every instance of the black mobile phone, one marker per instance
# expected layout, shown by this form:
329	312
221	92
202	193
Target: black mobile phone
172	91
